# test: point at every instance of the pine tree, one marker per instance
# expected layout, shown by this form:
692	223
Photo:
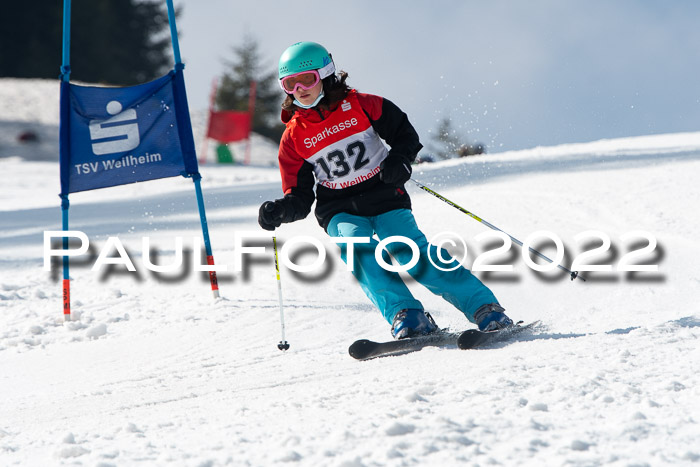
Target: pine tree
234	89
118	42
450	144
446	139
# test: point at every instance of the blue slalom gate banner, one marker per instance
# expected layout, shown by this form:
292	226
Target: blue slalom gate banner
115	136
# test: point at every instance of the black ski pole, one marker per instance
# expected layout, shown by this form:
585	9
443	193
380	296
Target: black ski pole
573	274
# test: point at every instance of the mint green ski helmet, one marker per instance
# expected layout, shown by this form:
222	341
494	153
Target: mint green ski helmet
304	56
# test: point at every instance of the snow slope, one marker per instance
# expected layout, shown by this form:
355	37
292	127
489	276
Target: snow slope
154	371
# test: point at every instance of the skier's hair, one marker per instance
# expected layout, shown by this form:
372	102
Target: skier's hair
334	89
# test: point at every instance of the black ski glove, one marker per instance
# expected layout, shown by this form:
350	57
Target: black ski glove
395	170
271	214
291	208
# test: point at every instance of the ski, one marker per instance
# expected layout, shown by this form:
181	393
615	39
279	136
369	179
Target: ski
473	338
365	349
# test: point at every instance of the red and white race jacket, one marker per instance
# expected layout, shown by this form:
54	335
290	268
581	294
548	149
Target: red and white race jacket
340	151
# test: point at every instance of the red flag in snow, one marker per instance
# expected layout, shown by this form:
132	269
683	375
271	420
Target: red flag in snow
227	126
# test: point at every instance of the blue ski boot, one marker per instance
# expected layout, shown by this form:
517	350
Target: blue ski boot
412	322
491	318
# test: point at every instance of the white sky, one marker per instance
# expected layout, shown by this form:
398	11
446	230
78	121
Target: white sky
510	74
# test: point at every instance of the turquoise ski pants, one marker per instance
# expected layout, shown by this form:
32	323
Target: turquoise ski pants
385	289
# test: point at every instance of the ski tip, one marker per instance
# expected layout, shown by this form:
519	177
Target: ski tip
360	349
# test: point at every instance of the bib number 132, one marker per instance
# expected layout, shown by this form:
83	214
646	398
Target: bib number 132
337	163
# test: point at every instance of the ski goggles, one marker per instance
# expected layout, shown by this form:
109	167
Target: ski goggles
304	79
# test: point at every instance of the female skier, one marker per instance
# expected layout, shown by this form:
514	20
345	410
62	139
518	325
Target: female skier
332	141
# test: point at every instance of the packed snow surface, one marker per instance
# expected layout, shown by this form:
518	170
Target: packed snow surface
152	370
